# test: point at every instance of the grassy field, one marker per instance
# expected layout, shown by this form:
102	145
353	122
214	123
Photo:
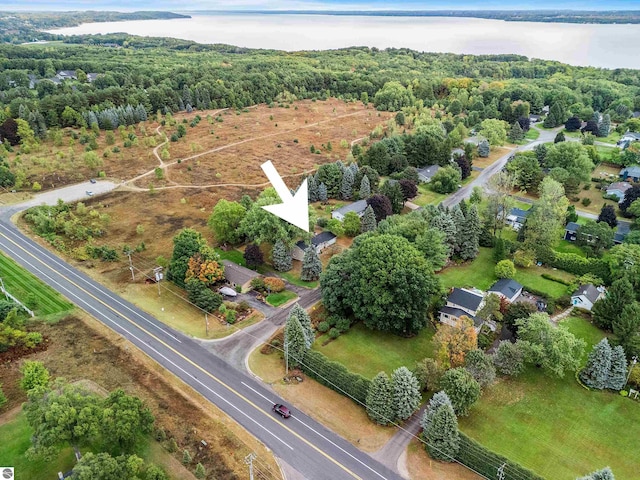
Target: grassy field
565	246
480	274
613	137
234	256
295	280
556	427
532	134
495	154
277	299
368	352
426	196
22	285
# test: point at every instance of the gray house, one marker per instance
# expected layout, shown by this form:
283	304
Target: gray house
586	296
631	172
618	189
237	275
320	242
570	231
425	174
517	217
359	207
462	302
506	288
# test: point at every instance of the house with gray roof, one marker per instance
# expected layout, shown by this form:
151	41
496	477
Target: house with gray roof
507	288
66	75
237	275
586	296
570	231
632	173
618	189
320	242
462	302
425	174
359	207
517	217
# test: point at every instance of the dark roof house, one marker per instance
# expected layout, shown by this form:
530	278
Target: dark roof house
570	231
631	172
425	174
507	288
319	241
465	299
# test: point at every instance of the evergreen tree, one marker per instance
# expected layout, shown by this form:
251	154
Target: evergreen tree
312	189
346	189
559	138
480	366
380	407
604	474
322	193
605	126
468	153
305	320
392	190
617	375
627	328
311	265
483	149
459	221
516	133
186	457
442	437
406	392
365	188
619	295
444	222
295	340
471	230
439	399
368	223
595	374
281	257
200	471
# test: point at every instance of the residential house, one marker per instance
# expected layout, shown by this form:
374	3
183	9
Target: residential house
586	296
507	288
92	76
534	119
618	189
631	172
425	174
517	217
359	207
570	231
462	302
237	275
320	242
66	75
627	139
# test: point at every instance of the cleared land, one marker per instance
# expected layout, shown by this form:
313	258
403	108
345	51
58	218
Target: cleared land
556	427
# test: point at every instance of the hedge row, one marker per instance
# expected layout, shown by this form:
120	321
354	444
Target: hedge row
487	463
572	263
335	376
548	276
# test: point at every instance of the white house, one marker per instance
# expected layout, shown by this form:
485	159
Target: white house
425	174
320	242
586	296
462	302
506	288
517	217
618	189
359	207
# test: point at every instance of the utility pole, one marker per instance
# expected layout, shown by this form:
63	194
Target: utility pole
159	276
249	461
501	471
206	323
286	356
133	277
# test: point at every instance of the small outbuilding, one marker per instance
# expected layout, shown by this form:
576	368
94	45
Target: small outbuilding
506	288
586	296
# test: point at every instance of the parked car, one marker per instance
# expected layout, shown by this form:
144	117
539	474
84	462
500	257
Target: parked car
89	193
93	180
281	410
228	292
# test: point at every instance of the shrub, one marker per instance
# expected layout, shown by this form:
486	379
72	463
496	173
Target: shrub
334	333
505	269
230	316
343	324
257	283
548	276
274	284
323	327
586	202
322	222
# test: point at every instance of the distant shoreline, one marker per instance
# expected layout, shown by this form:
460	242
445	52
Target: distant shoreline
541	16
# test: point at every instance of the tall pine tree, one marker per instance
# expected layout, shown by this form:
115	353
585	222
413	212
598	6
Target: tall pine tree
619	295
595	374
516	133
604	474
311	265
368	223
312	189
295	341
627	328
305	320
439	398
617	377
281	257
365	188
379	401
406	392
442	437
470	236
322	193
346	189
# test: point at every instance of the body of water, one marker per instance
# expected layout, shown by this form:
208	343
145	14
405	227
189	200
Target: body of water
608	46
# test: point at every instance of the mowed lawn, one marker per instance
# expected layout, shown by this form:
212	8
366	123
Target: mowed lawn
21	284
555	426
368	352
480	274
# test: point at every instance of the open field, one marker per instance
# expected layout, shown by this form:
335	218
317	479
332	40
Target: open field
480	274
543	429
426	196
495	154
278	299
368	352
613	137
24	286
83	349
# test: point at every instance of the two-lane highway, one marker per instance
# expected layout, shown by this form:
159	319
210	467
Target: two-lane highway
303	443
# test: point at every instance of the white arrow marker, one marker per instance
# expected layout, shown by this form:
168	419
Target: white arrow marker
294	208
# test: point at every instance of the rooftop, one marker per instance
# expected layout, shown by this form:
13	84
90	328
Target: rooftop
465	298
428	172
506	286
357	207
572	227
237	274
622	186
589	291
456	312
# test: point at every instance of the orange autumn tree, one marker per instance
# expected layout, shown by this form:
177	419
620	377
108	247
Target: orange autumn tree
453	342
205	268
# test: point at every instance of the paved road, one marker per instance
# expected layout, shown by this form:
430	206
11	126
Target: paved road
465	192
303	443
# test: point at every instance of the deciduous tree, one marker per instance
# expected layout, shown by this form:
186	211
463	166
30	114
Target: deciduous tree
186	244
494	131
480	366
253	256
505	269
34	375
124	418
608	216
463	390
225	221
453	342
381	206
446	180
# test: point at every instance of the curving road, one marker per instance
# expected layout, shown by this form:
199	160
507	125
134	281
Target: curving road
304	444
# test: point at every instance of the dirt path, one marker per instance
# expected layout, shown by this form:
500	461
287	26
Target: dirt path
129	184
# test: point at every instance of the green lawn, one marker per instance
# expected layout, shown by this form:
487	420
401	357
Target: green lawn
277	299
16	439
584	329
532	134
556	427
480	274
426	196
295	280
612	138
368	352
565	246
234	256
605	152
21	284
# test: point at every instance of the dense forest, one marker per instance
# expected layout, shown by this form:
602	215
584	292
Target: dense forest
19	27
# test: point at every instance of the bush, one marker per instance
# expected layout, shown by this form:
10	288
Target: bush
323	327
572	263
343	325
564	301
586	202
257	283
548	276
274	284
505	269
322	222
334	333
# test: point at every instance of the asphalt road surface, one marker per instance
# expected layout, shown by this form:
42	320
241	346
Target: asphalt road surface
303	443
